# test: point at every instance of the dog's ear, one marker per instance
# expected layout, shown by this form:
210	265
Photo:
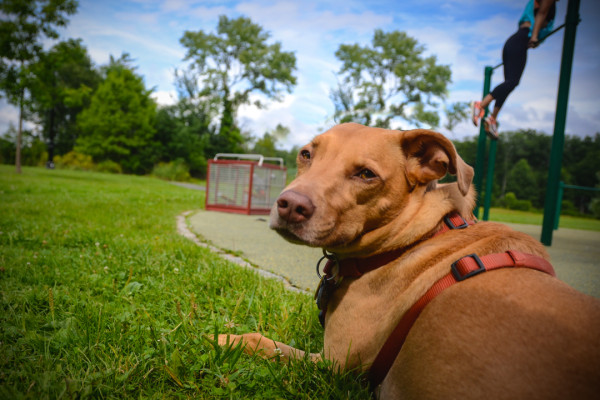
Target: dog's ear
430	156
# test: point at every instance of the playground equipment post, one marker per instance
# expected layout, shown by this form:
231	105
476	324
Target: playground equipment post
480	161
560	119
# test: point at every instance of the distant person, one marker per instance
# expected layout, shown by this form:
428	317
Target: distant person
535	24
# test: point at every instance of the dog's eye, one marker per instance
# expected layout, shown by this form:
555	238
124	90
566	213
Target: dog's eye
366	174
305	154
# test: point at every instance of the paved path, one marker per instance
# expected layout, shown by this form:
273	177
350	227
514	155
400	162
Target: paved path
250	237
575	254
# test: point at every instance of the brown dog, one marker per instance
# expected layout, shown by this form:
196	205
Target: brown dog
369	195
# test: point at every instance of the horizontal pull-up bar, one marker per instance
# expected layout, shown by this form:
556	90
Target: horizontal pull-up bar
561	189
541	41
590	189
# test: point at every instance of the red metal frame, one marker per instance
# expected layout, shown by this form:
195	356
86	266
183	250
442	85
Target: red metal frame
248	210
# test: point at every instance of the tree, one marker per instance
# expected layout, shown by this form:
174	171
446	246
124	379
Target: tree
186	130
522	181
522	166
582	163
118	125
455	113
32	148
267	145
183	131
231	65
23	25
61	79
391	79
523	144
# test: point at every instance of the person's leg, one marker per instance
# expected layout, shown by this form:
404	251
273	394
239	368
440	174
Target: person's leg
514	58
487	100
477	108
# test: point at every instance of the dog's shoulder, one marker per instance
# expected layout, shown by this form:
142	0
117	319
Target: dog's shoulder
494	237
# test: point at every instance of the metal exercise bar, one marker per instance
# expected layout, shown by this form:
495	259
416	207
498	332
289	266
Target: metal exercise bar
571	22
560	121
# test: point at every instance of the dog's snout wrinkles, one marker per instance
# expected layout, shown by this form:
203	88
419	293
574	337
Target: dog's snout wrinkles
294	207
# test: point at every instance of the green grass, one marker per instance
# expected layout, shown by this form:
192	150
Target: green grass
524	217
102	298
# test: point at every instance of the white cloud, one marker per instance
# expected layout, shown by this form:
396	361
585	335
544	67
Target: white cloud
9	114
165	98
116	37
174	5
285	113
310	18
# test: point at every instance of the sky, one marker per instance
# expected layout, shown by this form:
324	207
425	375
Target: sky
467	35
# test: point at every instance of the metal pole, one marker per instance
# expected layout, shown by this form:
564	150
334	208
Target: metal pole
561	190
489	180
560	119
480	161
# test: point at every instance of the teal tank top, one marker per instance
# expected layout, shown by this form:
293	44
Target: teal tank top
529	16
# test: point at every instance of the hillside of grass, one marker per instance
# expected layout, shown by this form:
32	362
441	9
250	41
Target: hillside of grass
101	298
530	218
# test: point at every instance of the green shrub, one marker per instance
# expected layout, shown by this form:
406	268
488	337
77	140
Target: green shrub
595	207
109	166
75	161
522	205
511	202
172	171
34	153
197	164
568	208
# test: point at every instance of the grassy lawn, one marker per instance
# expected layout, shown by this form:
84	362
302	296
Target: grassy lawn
102	298
523	217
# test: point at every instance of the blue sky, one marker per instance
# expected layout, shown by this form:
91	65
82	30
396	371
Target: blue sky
464	34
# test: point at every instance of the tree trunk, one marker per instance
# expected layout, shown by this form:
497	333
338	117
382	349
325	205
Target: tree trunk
19	133
51	134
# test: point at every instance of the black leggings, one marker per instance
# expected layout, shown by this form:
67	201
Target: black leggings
514	57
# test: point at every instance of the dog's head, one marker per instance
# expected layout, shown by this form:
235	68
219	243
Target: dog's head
359	187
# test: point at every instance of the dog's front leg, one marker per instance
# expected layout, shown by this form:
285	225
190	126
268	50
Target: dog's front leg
255	343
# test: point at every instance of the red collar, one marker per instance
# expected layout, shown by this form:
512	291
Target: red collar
357	267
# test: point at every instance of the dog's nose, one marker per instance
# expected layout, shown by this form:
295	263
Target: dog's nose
294	207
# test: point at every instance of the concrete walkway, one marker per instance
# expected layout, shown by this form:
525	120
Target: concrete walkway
249	236
575	254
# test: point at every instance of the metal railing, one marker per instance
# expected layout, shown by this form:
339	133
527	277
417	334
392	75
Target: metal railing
258	157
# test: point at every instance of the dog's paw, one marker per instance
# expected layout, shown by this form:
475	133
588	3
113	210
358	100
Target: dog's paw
228	340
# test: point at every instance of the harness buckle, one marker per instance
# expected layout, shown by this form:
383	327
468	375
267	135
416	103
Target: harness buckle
460	276
451	224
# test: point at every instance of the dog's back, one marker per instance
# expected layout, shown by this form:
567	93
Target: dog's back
512	333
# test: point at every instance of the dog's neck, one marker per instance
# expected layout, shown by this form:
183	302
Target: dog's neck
421	215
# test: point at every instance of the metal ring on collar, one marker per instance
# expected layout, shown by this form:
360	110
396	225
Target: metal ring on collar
329	257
